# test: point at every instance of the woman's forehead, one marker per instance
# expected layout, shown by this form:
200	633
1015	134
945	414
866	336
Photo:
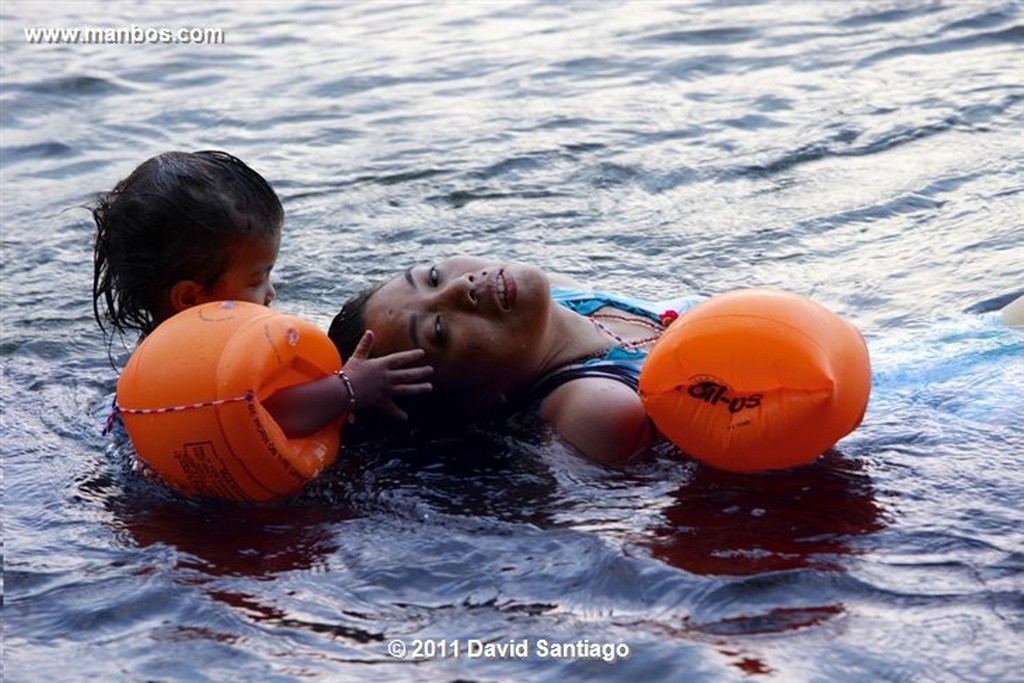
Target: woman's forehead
388	314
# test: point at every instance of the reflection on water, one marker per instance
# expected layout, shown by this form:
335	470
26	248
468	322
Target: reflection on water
223	541
721	523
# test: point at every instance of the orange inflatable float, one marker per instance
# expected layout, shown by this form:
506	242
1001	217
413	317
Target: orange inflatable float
757	380
191	394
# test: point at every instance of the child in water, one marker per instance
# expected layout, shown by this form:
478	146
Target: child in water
187	228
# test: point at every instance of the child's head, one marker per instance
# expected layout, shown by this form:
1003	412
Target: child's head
182	229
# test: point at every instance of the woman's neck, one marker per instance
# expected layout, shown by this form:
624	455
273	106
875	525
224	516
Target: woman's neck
571	337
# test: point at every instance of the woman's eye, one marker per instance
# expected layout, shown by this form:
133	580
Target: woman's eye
439	332
433	276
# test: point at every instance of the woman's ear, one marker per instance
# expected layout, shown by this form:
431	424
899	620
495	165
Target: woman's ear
185	294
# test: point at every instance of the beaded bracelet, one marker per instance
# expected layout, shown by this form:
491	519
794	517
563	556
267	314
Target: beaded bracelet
348	385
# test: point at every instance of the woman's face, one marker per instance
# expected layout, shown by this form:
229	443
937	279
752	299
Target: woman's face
481	322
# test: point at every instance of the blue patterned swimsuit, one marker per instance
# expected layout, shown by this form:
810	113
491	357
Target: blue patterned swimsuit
622	365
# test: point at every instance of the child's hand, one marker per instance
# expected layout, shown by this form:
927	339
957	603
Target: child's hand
376	381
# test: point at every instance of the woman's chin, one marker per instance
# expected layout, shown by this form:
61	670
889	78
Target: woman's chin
531	285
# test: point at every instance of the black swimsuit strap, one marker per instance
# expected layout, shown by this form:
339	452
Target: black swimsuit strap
551	381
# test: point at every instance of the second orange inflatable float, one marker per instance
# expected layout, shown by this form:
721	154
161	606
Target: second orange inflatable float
757	380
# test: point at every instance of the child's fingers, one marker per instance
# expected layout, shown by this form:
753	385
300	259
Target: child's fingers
394	411
420	372
397	360
363	347
412	389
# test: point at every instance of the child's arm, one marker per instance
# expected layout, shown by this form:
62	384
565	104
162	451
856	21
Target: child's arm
304	409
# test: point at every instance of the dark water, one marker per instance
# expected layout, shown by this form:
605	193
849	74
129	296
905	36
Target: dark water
867	154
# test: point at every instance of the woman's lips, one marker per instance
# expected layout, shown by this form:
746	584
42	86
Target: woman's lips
505	289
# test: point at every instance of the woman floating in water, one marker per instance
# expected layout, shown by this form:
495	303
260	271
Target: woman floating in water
500	333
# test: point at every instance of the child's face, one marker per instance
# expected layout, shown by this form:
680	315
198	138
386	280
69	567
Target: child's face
247	277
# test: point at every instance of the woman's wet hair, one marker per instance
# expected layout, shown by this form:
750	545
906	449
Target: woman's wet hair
349	324
174	218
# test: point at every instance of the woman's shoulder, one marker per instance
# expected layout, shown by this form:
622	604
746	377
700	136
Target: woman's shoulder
600	416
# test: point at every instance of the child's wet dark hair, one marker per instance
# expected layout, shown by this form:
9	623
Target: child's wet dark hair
174	218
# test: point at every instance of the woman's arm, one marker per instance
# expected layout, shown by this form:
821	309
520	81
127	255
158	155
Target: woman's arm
601	417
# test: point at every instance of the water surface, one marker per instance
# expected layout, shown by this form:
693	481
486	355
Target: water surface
867	155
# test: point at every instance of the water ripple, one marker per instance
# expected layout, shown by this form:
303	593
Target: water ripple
1010	36
869	156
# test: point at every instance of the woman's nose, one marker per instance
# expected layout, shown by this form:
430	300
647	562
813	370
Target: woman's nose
461	291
